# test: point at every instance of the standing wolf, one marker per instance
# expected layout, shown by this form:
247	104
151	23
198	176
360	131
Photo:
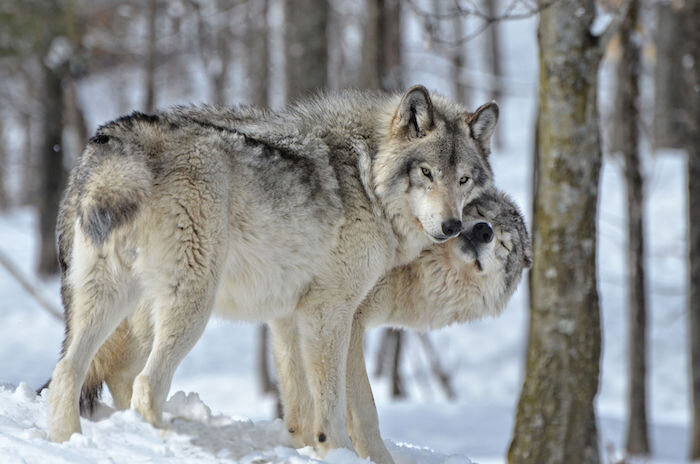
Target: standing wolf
287	217
458	281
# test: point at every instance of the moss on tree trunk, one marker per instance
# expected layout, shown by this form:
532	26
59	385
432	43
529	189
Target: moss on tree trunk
555	420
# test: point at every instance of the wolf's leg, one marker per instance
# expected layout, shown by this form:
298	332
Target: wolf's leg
363	421
100	302
137	340
296	400
180	319
325	332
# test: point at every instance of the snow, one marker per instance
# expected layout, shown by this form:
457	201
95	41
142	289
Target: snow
193	435
228	420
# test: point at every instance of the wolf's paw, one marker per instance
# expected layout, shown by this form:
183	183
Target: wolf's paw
324	443
143	402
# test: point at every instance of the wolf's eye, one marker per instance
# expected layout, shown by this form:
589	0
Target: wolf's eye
463	180
426	173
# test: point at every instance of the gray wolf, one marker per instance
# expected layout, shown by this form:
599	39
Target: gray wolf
288	217
458	281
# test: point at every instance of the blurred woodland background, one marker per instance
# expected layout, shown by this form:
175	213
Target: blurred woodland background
150	54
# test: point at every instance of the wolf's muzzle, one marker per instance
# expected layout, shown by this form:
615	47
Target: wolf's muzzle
451	227
482	233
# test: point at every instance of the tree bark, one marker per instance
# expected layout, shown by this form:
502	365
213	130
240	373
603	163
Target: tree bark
258	52
150	90
669	97
627	113
381	46
458	61
52	170
4	198
692	143
223	39
306	47
555	421
494	59
397	388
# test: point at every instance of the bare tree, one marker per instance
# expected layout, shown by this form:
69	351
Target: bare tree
555	421
258	51
494	58
692	144
668	89
306	47
381	46
4	200
150	57
54	65
626	131
381	69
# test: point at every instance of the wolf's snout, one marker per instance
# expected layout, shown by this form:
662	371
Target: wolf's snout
482	232
451	227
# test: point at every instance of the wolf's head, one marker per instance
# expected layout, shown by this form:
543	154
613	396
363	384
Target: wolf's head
433	161
494	243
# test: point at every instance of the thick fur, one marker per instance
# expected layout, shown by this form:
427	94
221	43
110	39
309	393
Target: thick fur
458	281
287	217
455	282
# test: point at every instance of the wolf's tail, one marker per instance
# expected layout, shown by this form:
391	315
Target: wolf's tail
114	182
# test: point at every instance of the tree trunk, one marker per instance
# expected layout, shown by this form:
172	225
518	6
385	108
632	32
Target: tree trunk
52	171
692	143
222	50
397	389
306	47
4	199
458	61
266	384
494	59
381	70
669	97
381	46
627	114
556	419
258	52
150	90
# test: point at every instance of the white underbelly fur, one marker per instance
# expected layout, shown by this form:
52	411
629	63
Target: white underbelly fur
264	279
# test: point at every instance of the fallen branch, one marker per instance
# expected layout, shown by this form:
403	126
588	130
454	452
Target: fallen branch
29	287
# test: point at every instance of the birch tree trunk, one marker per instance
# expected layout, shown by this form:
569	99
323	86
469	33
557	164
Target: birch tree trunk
627	131
306	47
555	421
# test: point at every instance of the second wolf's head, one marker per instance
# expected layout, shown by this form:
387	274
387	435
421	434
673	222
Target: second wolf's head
494	245
434	160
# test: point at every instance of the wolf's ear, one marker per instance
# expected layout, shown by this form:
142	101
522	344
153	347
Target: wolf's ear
414	116
482	122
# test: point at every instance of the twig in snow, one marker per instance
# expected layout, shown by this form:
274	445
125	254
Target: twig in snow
29	287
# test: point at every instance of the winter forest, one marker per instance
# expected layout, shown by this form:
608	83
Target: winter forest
596	357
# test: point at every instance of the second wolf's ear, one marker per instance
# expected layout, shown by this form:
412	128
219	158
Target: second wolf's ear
482	122
414	116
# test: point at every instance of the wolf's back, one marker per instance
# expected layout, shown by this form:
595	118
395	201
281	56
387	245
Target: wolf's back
113	178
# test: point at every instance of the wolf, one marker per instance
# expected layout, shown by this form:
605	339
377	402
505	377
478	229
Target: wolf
464	279
289	217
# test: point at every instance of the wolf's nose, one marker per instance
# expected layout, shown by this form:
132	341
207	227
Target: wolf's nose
482	232
451	227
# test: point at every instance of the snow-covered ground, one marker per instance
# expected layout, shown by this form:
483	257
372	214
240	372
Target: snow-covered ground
229	420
